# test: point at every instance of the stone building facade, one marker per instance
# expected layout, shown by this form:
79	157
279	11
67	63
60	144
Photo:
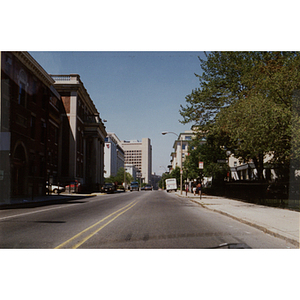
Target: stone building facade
83	132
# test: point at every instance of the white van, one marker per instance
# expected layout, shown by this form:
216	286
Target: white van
171	184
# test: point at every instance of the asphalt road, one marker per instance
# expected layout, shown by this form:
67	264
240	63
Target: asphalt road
134	220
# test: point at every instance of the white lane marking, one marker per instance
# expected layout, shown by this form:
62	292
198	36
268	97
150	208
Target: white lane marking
32	212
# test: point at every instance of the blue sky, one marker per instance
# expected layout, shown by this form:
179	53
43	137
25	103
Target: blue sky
138	93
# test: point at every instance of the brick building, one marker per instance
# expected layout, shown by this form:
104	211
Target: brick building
29	127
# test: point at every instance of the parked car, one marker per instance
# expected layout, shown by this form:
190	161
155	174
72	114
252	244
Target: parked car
134	186
148	187
74	187
120	188
54	188
108	188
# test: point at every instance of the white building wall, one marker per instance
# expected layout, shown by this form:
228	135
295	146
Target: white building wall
145	149
113	155
107	160
185	137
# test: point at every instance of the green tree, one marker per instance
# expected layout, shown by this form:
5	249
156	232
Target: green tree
175	173
119	178
210	153
247	97
257	127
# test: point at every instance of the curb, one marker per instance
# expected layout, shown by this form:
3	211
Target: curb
259	227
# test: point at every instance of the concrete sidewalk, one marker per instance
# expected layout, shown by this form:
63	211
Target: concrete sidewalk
282	223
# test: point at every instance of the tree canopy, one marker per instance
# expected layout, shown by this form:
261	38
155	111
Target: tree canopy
119	178
210	153
247	97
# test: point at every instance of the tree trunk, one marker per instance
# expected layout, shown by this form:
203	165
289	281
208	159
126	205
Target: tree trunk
259	165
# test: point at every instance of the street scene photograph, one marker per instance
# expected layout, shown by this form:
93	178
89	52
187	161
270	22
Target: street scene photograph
144	158
208	159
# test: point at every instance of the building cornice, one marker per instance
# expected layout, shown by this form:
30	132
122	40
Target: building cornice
27	60
73	82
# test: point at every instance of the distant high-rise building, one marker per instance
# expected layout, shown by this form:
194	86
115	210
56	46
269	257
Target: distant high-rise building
113	155
139	153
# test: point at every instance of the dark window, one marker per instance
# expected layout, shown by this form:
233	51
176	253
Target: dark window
34	91
43	131
44	99
22	95
42	166
56	135
32	165
32	127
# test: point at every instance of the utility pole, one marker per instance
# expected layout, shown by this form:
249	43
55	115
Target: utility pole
181	171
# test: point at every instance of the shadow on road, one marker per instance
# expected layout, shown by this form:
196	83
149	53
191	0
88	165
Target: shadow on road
47	201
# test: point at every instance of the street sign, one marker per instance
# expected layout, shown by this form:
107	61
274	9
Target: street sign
200	164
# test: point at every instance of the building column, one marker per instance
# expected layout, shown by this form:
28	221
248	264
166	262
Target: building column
73	134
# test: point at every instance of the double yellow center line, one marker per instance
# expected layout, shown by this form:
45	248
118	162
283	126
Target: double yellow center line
80	238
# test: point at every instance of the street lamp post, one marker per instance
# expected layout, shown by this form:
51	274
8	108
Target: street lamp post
162	176
166	132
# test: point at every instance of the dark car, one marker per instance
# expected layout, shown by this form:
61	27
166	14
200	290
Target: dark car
108	188
120	188
148	187
134	186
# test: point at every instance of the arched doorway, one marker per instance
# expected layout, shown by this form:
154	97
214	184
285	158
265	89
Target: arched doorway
19	171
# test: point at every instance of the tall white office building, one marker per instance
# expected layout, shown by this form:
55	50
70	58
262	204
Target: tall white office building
113	155
139	153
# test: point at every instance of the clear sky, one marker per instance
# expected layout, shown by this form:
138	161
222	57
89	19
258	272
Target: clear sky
138	93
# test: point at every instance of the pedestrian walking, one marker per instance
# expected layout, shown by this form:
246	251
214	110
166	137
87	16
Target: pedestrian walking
194	190
199	189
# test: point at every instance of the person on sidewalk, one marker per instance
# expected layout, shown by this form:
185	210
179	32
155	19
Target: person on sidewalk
199	189
194	190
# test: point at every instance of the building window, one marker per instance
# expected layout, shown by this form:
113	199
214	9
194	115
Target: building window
43	132
32	164
44	99
42	166
34	91
32	127
55	135
22	95
22	88
8	64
